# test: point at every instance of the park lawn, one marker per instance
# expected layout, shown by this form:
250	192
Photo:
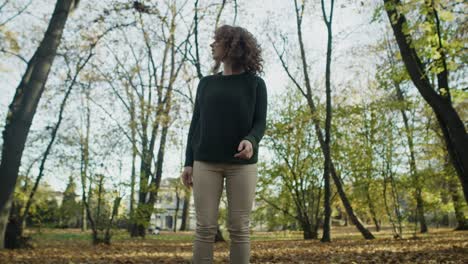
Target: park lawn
73	246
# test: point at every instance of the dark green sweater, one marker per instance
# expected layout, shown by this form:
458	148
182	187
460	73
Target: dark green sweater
228	109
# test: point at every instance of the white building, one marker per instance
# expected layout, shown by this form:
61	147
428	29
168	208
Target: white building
165	208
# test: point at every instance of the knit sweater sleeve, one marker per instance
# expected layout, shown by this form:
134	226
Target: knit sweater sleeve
259	120
193	125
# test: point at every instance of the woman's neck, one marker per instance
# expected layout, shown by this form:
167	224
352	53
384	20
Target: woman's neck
228	70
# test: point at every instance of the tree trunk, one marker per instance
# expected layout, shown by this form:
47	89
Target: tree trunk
14	238
21	218
24	105
388	211
388	177
455	136
132	187
372	211
417	182
134	154
138	229
185	211
462	221
326	147
84	148
458	203
420	208
308	95
145	207
219	236
176	213
115	212
308	230
162	117
92	222
445	199
369	126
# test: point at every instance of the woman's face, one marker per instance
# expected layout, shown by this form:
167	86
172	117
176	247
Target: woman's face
216	50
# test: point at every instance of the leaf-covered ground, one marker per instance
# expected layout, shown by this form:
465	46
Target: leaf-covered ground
72	246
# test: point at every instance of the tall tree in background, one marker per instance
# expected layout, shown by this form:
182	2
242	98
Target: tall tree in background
150	180
307	93
326	148
18	217
368	156
438	97
392	76
296	171
153	70
24	105
84	131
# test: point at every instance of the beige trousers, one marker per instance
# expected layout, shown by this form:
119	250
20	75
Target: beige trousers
208	180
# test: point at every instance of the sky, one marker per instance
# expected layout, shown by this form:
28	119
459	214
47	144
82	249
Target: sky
264	19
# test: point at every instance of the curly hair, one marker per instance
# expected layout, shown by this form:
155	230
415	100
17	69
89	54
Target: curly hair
240	48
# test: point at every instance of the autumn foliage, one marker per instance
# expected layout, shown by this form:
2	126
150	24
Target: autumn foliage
71	246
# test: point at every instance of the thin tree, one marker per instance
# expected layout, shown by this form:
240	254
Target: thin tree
291	140
23	107
396	81
163	120
14	238
369	127
308	95
326	148
84	131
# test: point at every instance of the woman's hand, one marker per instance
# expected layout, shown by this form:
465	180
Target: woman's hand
186	177
247	150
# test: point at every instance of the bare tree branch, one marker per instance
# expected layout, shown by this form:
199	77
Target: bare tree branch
15	15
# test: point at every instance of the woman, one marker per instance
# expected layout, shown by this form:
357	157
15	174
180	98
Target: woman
227	125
